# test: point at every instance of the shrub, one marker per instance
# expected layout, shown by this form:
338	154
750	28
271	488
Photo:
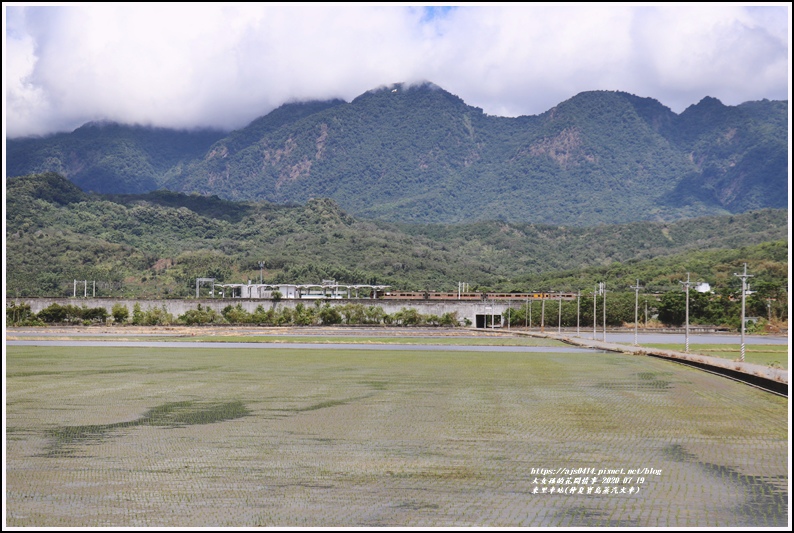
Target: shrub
21	315
237	315
260	316
94	314
330	315
137	315
407	317
55	314
353	313
374	315
284	317
156	316
304	316
120	313
449	319
201	315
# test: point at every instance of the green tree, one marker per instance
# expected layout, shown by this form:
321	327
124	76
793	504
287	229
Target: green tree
303	316
431	320
201	315
407	317
768	300
237	315
353	313
94	314
262	317
620	308
374	315
53	314
157	316
330	315
138	316
285	317
672	308
20	314
120	313
449	319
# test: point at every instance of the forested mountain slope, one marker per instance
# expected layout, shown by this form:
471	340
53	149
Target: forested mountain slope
157	244
420	154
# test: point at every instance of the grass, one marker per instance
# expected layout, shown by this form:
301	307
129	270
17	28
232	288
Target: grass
196	437
409	340
317	339
774	355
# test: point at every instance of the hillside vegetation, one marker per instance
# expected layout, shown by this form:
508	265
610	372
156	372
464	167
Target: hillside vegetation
107	157
157	244
420	154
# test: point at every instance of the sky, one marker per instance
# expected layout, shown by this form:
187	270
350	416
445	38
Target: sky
185	65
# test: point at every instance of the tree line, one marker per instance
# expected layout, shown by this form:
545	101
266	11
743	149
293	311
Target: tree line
721	308
767	303
156	245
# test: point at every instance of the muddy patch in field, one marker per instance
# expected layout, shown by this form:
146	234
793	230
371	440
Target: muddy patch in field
765	498
66	439
645	381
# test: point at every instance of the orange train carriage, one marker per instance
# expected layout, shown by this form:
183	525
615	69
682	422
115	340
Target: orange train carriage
476	296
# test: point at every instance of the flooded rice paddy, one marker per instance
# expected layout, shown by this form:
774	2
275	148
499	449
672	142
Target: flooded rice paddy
168	435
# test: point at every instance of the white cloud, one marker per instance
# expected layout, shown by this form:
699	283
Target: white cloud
185	65
695	51
25	99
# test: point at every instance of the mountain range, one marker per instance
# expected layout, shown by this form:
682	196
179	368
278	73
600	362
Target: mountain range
419	154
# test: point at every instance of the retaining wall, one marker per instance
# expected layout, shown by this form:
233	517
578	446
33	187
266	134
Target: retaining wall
179	306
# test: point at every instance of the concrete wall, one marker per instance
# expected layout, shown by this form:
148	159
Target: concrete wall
179	307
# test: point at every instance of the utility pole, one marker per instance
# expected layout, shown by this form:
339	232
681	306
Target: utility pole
261	272
604	287
542	313
559	315
530	315
578	296
636	307
686	285
526	317
595	315
744	292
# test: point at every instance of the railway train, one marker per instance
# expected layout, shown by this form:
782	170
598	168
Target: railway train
476	296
